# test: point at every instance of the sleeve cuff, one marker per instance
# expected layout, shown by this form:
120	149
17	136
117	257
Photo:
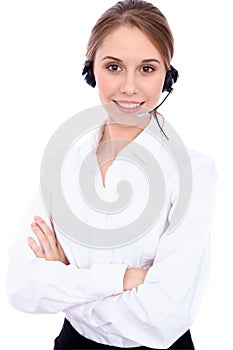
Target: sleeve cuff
107	279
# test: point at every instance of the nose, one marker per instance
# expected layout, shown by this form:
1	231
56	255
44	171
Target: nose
128	84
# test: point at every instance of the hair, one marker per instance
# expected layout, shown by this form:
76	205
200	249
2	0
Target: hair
141	14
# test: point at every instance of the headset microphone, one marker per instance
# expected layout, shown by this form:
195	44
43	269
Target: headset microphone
141	115
171	78
153	111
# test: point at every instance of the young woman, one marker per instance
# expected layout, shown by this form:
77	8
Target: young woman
144	287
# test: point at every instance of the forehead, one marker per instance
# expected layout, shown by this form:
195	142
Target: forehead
128	41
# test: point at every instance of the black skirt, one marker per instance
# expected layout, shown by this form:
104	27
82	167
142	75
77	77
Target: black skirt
69	338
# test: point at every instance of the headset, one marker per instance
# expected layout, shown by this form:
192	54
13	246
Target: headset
170	79
171	76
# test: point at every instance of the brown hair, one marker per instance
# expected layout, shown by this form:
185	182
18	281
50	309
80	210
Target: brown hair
141	14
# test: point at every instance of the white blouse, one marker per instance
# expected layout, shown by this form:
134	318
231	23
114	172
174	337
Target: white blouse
90	290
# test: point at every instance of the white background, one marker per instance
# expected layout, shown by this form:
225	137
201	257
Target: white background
42	54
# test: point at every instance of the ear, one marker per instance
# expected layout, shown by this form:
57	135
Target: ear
171	78
88	73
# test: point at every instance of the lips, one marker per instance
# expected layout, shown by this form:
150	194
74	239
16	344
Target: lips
128	106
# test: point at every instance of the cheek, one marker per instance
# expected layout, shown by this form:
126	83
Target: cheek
154	90
158	84
105	85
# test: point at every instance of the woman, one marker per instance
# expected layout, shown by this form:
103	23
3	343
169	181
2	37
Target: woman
144	292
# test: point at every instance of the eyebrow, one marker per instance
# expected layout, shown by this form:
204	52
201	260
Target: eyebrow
119	60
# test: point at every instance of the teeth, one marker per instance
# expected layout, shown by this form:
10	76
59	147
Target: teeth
128	105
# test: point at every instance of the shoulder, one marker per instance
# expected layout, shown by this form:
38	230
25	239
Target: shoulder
201	160
204	168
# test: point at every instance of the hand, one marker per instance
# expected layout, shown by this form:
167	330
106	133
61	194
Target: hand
49	248
133	278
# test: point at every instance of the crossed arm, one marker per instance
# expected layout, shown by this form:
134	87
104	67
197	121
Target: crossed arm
169	293
51	250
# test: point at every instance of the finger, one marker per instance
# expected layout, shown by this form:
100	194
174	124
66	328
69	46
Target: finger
46	230
35	248
59	246
44	242
53	228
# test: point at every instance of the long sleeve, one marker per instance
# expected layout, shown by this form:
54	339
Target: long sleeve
35	285
159	311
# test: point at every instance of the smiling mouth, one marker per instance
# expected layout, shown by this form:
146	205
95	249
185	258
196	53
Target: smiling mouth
130	106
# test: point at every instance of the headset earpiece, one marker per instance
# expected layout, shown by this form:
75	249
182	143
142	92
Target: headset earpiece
171	78
88	73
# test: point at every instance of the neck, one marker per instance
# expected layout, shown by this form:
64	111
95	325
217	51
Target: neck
123	132
113	130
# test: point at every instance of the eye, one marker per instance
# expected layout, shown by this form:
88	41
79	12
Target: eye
147	69
113	67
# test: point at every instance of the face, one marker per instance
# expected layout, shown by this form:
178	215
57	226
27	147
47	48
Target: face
129	73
